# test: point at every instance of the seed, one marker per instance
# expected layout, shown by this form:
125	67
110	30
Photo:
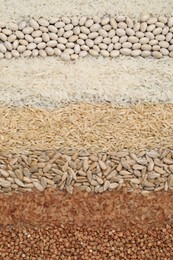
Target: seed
125	51
2	48
38	186
106	185
114	53
34	24
43	22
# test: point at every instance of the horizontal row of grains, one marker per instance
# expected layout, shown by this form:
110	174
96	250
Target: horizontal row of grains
71	242
97	127
71	38
92	172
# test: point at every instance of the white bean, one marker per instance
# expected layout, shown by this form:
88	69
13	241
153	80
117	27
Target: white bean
136	53
171	54
67	34
62	40
82	21
114	53
127	45
42	53
105	20
155	47
159	24
13	26
151	27
53	20
105	53
151	20
84	29
107	40
93	35
23	42
123	39
93	52
145	17
49	51
31	46
95	27
130	32
43	29
66	19
15	53
170	48
65	56
149	35
28	30
117	46
29	38
153	42
96	19
2	48
125	51
165	30
162	19
77	48
69	51
160	37
35	53
59	25
139	34
85	48
83	54
170	22
163	44
120	32
113	23
37	33
89	43
157	31
7	32
27	53
164	51
76	30
73	38
52	28
43	22
110	47
145	53
157	54
57	52
129	22
103	46
8	45
89	23
52	43
3	37
111	33
143	27
33	23
22	25
120	18
12	38
144	40
122	25
53	36
68	27
45	37
103	33
98	40
8	55
136	27
74	56
15	44
136	46
145	47
41	45
83	36
80	42
133	39
169	37
75	21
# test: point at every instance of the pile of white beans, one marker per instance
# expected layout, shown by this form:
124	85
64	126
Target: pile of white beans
75	37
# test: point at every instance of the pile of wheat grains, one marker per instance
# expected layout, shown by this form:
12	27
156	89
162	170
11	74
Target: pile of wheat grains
86	130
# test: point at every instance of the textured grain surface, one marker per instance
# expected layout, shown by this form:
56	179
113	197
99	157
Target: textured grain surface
96	126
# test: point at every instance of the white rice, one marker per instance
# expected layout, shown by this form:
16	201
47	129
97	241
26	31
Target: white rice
15	10
50	82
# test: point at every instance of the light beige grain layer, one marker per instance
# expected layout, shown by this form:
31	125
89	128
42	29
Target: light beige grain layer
84	125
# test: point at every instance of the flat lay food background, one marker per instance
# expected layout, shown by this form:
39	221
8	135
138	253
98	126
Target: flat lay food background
86	129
